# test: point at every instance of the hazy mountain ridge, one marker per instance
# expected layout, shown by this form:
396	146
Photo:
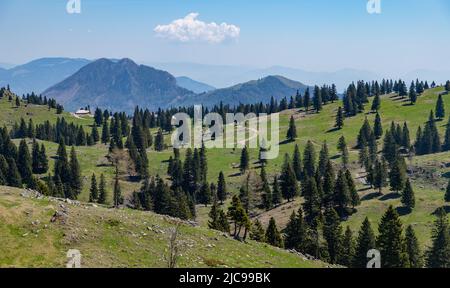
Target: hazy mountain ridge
194	86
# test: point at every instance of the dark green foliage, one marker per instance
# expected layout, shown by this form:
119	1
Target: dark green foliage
204	195
378	127
376	104
447	193
332	232
440	108
297	163
390	241
348	248
312	204
257	232
117	192
446	145
408	199
340	118
364	243
76	184
342	193
309	159
342	147
289	184
273	236
415	259
103	194
93	192
277	197
159	141
397	175
244	161
380	175
438	256
221	188
292	130
296	232
354	197
24	163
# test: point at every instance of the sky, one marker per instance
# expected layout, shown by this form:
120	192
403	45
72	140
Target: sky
315	35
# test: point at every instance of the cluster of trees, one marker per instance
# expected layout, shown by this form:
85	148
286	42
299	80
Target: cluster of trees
428	140
98	192
39	100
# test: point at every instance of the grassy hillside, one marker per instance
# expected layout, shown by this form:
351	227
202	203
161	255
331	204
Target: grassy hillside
118	238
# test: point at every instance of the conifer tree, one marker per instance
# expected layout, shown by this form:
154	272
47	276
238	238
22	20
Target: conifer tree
117	190
244	161
342	147
376	104
354	197
296	232
102	193
93	192
408	199
94	133
447	193
390	241
159	141
378	127
446	145
75	174
317	99
438	256
364	243
412	94
348	248
277	197
14	178
328	186
221	188
297	163
24	163
213	223
342	193
332	232
224	225
273	236
380	175
105	132
397	175
292	130
339	118
257	233
415	259
324	158
204	196
440	108
289	184
309	159
312	203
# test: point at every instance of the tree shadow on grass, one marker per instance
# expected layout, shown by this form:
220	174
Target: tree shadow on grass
235	175
390	196
335	129
403	211
286	142
371	196
446	209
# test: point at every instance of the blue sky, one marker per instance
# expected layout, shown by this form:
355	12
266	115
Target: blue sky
317	35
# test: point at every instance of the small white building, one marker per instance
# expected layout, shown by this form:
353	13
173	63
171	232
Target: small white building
83	112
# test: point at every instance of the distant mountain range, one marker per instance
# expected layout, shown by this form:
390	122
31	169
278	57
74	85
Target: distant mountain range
118	86
194	86
251	92
40	74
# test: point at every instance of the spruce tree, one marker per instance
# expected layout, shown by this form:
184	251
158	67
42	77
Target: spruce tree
440	108
438	256
117	199
277	197
309	159
312	204
348	248
324	158
297	163
76	184
24	163
397	175
354	197
332	233
447	193
105	132
292	130
93	192
339	118
408	199
159	141
380	175
342	147
244	161
376	104
390	241
446	145
289	184
221	188
14	178
296	232
204	196
364	243
213	223
342	193
224	225
378	127
102	193
415	259
257	233
273	236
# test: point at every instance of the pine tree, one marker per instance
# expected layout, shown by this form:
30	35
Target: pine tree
94	133
376	104
224	226
317	99
342	193
415	259
397	175
412	94
103	194
408	199
244	161
297	163
440	108
446	145
289	184
213	223
24	163
348	248
75	174
273	236
277	197
332	232
117	190
159	141
354	197
292	130
93	192
364	243
447	193
105	133
309	159
204	196
438	256
324	158
380	175
257	233
312	203
342	147
378	127
390	241
328	186
296	232
221	188
14	178
339	118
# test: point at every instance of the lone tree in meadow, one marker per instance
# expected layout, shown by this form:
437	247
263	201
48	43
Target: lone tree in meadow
245	160
440	108
376	104
408	199
292	131
339	119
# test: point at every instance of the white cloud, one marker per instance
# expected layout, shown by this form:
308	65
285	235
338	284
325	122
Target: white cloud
191	29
